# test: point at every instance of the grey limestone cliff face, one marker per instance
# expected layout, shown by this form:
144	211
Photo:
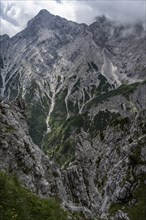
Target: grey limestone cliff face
20	156
108	169
84	91
53	55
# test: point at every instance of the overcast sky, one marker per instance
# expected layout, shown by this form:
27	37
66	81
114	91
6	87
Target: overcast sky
14	15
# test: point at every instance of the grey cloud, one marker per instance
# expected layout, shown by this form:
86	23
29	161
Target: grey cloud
124	11
15	14
4	15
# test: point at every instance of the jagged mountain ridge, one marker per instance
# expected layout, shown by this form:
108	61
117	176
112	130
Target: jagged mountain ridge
70	77
20	157
53	55
107	177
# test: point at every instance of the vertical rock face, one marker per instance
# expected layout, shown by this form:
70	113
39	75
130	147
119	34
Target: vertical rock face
84	92
20	156
109	168
54	57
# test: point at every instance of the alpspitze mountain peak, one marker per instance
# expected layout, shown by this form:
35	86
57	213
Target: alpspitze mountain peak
43	17
44	11
82	91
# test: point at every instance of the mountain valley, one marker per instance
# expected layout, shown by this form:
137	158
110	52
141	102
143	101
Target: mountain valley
73	115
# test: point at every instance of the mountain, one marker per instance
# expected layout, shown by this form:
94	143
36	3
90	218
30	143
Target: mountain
21	158
53	56
81	90
107	177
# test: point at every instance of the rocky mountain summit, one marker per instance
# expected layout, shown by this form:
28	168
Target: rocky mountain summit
82	91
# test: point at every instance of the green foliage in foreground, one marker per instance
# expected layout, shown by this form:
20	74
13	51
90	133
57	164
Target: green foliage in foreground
135	211
18	203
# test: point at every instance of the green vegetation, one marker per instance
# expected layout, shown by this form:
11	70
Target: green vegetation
135	204
60	143
36	112
122	122
138	209
124	90
100	122
104	86
135	156
17	203
36	119
9	129
57	143
59	112
92	66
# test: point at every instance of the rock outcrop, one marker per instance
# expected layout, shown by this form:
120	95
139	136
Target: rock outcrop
84	99
54	57
20	156
108	169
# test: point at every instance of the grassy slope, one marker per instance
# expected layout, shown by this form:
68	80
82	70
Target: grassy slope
124	90
19	203
60	143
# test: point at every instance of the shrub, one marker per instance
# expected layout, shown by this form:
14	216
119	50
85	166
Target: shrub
18	203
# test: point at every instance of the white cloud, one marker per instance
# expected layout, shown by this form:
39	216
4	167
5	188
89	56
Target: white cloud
7	28
15	14
22	11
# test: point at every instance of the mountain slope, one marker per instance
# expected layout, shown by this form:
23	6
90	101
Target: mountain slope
20	203
83	90
53	56
97	114
106	175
